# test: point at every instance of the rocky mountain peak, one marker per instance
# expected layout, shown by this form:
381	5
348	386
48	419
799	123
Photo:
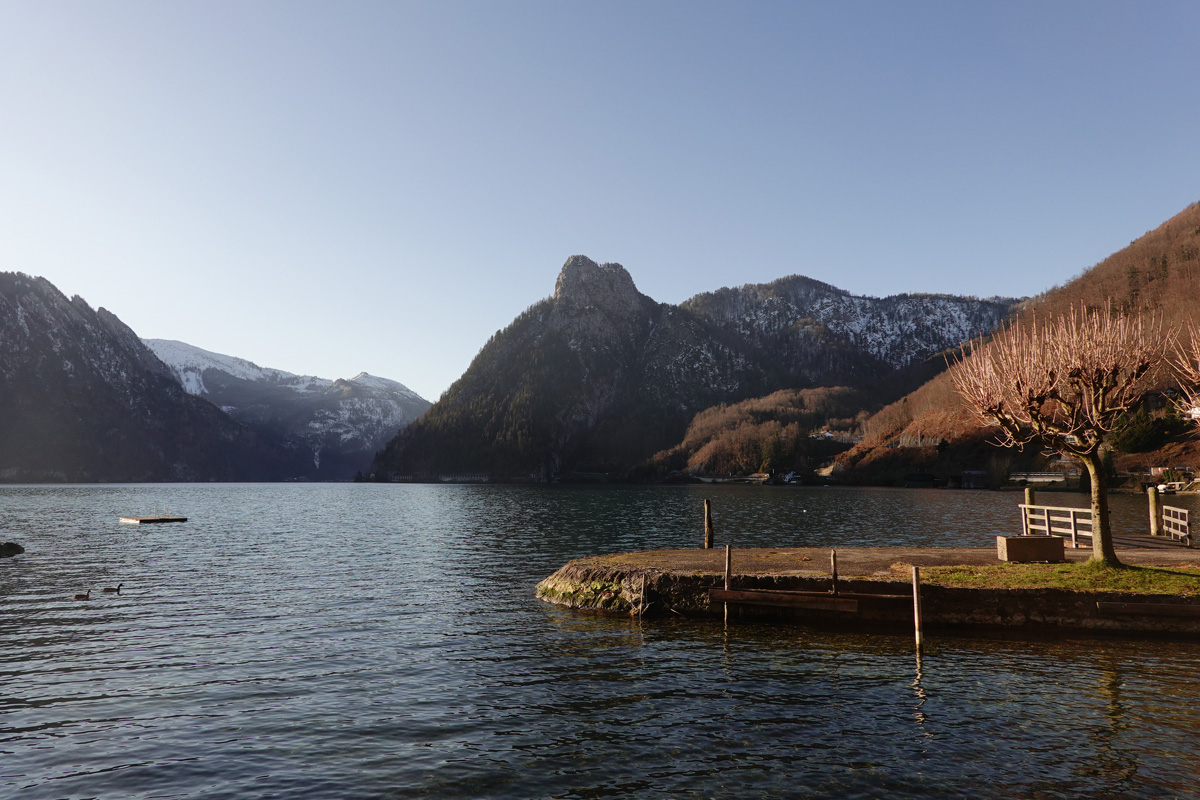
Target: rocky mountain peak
600	377
584	283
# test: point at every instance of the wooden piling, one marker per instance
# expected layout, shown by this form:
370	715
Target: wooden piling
728	575
708	526
728	565
916	581
833	570
1030	499
1155	512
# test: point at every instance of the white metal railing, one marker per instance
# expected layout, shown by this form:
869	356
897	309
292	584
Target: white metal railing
1068	522
1175	524
1038	477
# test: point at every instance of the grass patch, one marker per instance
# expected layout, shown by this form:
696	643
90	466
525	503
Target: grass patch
1084	577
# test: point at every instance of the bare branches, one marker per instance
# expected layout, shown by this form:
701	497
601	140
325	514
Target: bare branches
1066	381
1186	363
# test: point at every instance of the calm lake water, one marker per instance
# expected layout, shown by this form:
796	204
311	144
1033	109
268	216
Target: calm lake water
367	641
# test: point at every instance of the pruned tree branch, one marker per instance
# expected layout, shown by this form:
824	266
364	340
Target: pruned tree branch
1067	381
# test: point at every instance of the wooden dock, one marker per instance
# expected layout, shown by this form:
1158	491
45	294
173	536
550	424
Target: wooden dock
151	520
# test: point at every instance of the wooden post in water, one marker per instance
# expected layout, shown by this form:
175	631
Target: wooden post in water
1029	496
708	529
1155	512
917	604
833	569
728	575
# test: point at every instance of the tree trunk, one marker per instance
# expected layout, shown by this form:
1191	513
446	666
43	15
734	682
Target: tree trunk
1102	541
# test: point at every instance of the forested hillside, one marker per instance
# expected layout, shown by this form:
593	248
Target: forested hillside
596	379
593	379
931	428
82	400
789	430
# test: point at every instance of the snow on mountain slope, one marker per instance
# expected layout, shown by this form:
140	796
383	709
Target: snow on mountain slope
896	330
189	363
599	377
375	382
342	422
83	400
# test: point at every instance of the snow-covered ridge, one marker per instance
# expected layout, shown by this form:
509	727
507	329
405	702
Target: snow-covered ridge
341	423
189	363
181	358
368	381
897	330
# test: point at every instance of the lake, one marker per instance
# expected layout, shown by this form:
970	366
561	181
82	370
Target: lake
383	641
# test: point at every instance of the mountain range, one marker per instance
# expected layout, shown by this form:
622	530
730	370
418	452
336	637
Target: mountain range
595	381
824	335
598	377
83	399
334	426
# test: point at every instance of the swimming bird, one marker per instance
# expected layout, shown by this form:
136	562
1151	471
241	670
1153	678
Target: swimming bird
87	596
116	588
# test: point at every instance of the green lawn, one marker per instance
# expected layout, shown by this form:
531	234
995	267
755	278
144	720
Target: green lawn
1084	577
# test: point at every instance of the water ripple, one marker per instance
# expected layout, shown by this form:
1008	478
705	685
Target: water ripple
344	641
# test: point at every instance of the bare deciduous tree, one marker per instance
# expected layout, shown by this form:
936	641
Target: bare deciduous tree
1186	362
1067	382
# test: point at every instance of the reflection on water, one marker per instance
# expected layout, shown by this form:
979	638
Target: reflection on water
918	694
384	641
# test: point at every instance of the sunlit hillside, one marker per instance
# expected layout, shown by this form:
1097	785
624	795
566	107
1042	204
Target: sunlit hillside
1158	272
788	430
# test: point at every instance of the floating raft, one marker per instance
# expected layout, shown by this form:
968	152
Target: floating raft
151	520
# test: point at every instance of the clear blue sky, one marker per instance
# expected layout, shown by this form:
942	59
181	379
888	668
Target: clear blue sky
337	187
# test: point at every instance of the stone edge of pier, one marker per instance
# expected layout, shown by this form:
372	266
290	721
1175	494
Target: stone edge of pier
658	582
